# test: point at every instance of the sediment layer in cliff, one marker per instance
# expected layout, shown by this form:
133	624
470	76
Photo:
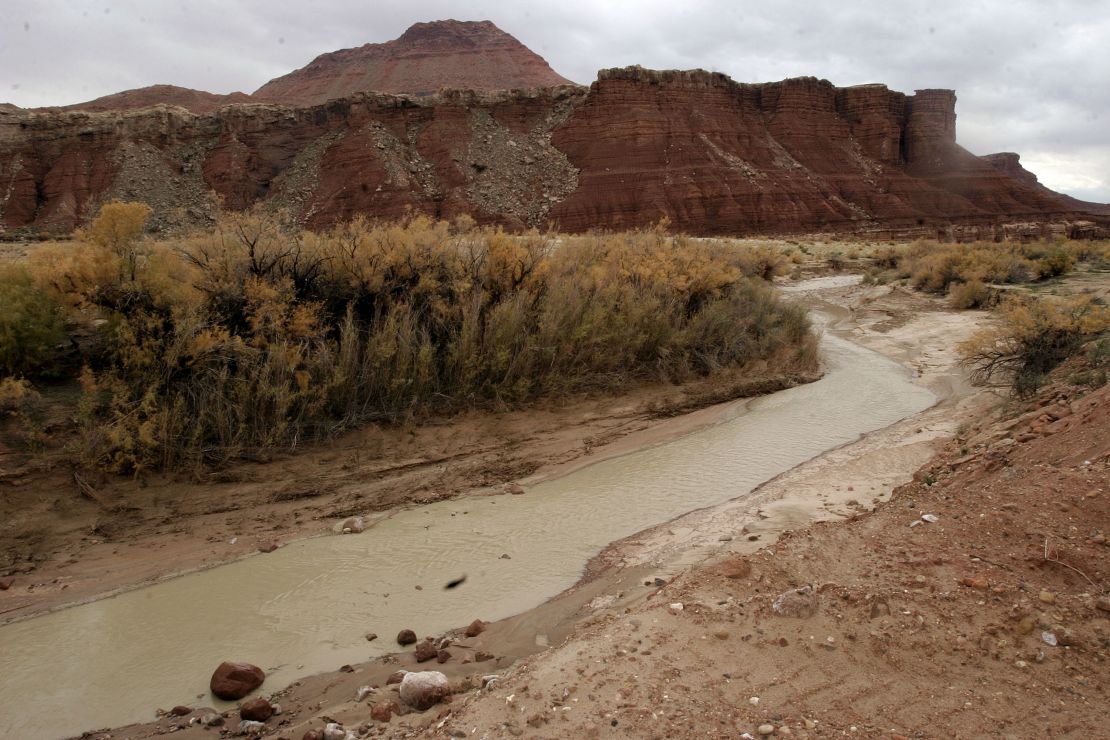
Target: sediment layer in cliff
712	155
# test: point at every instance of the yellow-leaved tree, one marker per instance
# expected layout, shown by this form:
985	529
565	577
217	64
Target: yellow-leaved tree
118	228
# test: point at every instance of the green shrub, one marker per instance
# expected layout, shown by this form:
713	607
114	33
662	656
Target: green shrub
31	324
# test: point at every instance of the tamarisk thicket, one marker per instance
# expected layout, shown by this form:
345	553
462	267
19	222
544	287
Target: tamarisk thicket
255	336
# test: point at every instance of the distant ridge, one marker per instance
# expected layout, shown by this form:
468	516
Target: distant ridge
197	101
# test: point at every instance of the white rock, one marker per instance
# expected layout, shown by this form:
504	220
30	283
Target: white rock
363	692
335	731
354	525
931	518
250	727
800	603
423	689
676	607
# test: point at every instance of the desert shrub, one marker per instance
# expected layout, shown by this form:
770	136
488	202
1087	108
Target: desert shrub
256	336
886	258
1031	337
1050	260
1098	364
1098	352
766	262
933	267
31	324
15	395
971	294
1092	378
22	405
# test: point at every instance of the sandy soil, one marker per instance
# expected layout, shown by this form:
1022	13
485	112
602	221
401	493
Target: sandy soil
929	630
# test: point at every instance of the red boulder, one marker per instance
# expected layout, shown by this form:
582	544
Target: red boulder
426	651
256	710
233	681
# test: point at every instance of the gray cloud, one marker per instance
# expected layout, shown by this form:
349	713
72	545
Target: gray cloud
1032	76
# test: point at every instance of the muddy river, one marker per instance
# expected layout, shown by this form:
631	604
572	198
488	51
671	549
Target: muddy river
306	607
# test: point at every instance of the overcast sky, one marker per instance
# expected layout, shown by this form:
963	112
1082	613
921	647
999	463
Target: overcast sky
1032	76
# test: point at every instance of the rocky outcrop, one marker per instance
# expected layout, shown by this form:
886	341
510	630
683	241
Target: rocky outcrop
712	155
427	57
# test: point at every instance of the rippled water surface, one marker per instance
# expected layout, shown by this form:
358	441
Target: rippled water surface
306	607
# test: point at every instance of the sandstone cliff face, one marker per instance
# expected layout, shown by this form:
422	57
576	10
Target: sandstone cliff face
716	156
427	57
712	155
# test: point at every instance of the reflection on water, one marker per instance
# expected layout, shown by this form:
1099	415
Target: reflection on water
305	608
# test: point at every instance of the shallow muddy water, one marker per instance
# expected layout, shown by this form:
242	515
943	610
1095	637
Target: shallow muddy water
306	607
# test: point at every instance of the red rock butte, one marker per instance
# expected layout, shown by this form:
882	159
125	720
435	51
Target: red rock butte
464	55
519	147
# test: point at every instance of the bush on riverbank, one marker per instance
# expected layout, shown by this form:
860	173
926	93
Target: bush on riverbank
257	336
1031	337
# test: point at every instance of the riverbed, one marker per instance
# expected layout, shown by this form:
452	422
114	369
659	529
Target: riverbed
306	607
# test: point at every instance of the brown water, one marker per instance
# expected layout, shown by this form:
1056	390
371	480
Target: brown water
306	607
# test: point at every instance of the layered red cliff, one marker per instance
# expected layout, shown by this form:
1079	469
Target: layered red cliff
712	155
